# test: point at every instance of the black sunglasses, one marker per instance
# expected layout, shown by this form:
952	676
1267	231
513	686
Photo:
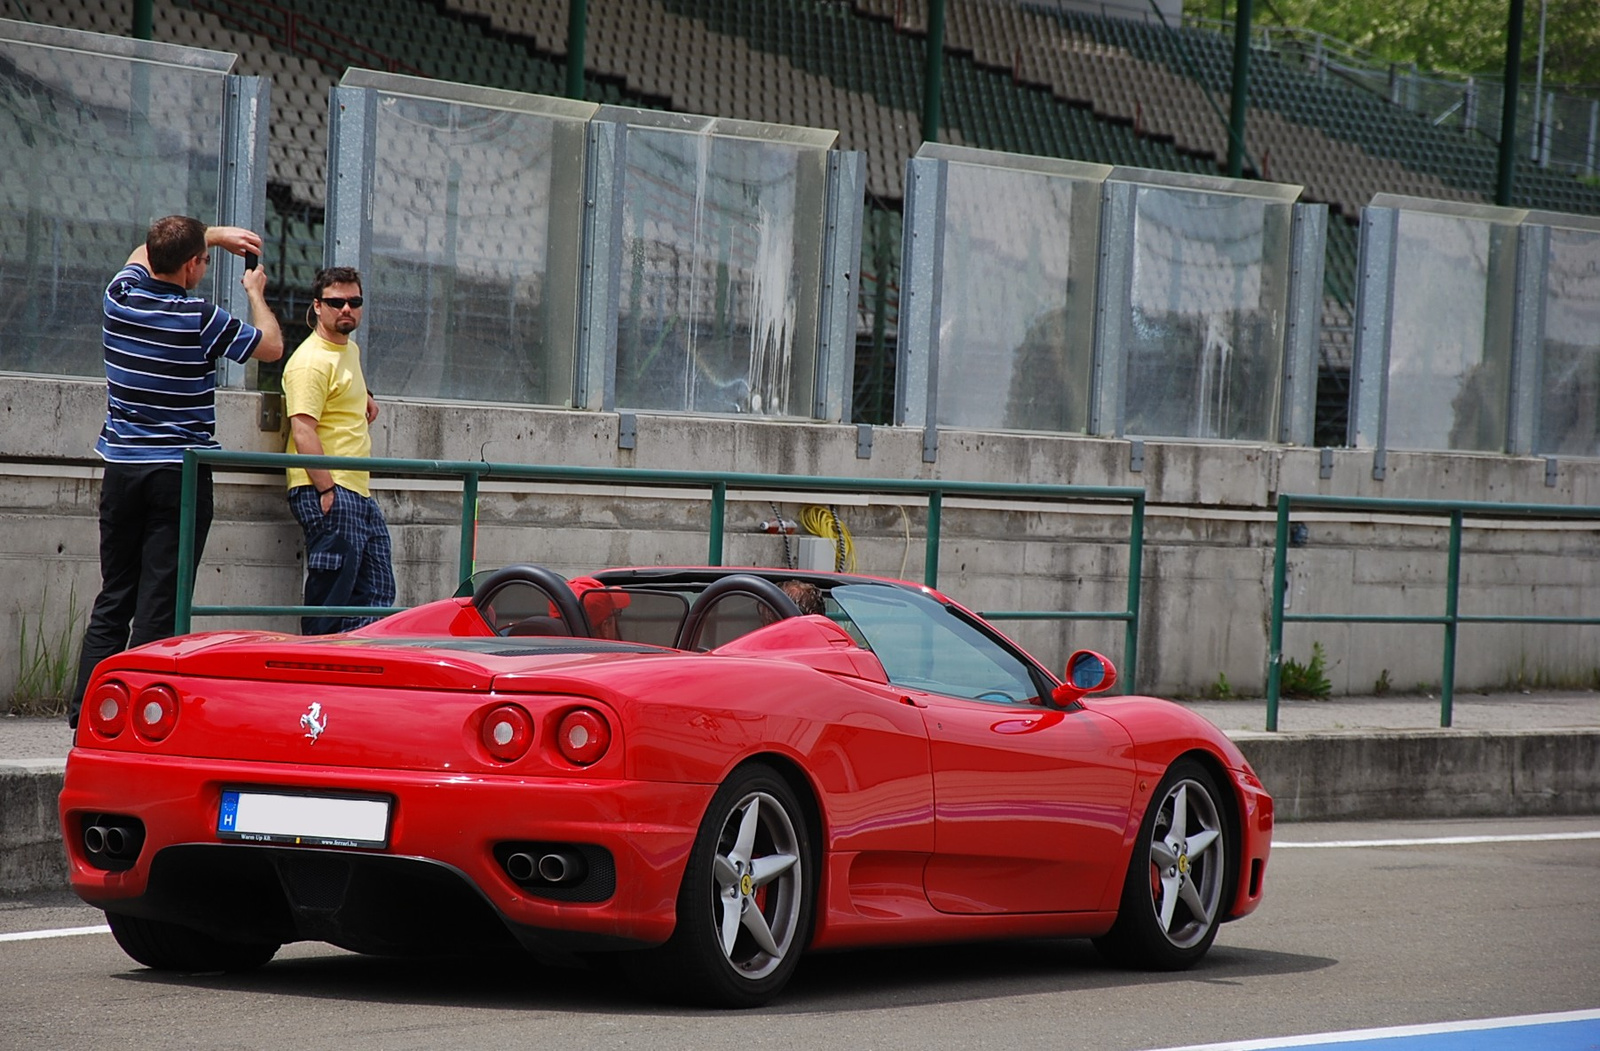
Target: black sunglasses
338	302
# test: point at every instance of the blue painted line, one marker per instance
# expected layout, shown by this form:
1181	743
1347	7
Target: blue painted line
1568	1031
1549	1036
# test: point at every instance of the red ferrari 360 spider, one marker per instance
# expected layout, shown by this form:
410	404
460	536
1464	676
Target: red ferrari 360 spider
706	770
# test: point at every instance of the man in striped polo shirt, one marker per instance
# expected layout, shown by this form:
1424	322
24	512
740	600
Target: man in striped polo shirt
161	351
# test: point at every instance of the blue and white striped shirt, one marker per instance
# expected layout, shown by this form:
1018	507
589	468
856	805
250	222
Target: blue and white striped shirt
161	351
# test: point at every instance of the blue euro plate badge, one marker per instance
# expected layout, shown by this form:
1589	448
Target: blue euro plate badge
303	819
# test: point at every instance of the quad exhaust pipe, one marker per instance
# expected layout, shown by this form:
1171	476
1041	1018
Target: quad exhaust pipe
556	866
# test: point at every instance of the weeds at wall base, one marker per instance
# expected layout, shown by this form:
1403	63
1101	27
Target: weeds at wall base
1308	681
47	660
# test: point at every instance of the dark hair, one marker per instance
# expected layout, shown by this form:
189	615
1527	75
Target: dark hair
807	596
334	275
173	241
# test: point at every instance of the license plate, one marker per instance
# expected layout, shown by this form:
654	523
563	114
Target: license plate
304	820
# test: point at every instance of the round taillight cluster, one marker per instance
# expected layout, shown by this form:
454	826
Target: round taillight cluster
155	713
583	736
108	708
507	733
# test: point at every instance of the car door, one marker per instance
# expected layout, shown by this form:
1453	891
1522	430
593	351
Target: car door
1030	801
1030	806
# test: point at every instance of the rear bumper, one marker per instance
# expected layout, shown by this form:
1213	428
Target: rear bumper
439	860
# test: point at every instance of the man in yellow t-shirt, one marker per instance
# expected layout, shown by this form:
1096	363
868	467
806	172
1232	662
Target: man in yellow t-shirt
348	555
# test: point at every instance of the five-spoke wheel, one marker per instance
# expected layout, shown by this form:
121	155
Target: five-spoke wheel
744	911
1173	899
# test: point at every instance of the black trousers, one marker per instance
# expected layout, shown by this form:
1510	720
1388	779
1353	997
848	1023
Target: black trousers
139	505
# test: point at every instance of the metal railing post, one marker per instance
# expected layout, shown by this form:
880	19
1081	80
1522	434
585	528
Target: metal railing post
188	497
468	563
1240	94
930	554
1452	598
933	71
577	28
1130	643
719	512
1280	577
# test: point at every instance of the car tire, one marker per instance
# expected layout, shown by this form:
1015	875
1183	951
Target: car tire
745	906
171	947
1178	878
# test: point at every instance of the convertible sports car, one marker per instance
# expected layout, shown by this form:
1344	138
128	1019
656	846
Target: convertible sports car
677	768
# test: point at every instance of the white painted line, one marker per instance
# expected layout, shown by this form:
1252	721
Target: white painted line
59	932
1438	841
1352	1035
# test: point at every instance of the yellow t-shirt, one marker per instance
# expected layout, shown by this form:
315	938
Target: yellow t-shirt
323	380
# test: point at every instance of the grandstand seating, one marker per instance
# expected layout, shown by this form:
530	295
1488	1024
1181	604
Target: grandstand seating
1342	143
1020	77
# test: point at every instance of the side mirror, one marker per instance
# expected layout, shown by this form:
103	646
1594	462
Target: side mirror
1087	672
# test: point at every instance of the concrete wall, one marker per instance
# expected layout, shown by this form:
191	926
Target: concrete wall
1408	775
31	855
1208	558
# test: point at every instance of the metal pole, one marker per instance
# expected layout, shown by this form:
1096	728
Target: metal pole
1241	89
188	496
1539	114
930	554
1130	642
719	514
1506	170
882	410
933	74
143	19
469	527
577	21
1280	576
1594	133
1447	680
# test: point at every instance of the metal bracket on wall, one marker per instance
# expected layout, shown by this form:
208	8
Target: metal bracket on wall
1551	466
270	417
930	444
1380	466
627	430
1325	468
1136	456
863	441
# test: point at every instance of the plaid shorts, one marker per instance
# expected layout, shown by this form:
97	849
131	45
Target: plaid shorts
349	560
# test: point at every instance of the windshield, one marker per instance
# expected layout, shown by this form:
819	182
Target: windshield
927	645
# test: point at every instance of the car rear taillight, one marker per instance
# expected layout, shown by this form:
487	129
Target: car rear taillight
108	708
156	712
583	736
507	733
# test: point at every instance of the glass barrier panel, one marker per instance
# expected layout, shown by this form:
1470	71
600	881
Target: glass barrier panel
1569	362
474	242
720	274
1207	309
93	147
1449	369
1017	299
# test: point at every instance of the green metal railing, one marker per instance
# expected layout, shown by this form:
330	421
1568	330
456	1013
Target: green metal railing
1451	619
717	483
